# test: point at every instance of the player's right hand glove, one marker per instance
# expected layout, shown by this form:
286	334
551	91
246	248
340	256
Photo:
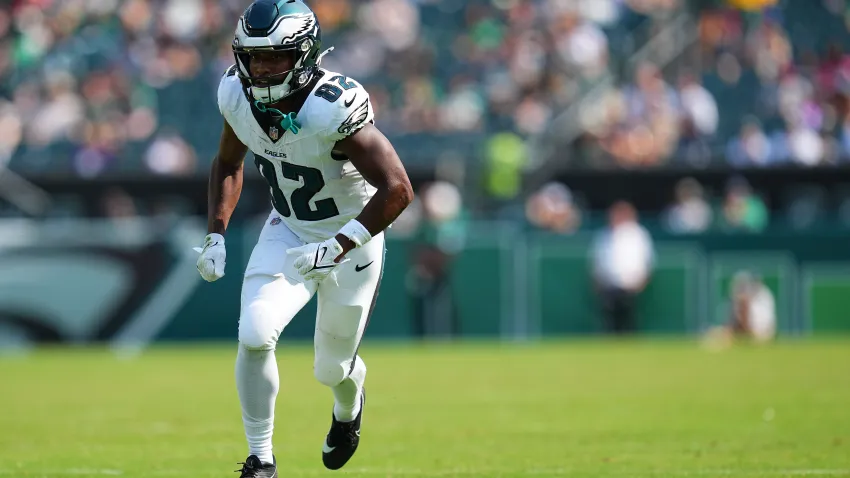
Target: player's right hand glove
212	260
316	261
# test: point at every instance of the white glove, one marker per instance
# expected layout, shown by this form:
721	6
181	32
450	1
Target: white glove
315	261
213	257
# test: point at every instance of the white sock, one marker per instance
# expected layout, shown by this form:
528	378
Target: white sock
257	382
347	394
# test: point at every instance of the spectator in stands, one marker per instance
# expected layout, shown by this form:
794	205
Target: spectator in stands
805	145
751	147
622	262
552	209
648	127
699	120
690	213
92	84
743	210
769	50
170	155
580	43
505	157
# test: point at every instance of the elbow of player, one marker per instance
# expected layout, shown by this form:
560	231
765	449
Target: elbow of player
404	192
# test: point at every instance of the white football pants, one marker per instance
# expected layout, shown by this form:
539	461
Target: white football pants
273	292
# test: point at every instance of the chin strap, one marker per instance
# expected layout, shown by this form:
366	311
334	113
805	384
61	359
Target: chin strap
287	121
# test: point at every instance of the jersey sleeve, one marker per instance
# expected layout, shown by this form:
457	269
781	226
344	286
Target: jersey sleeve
229	92
353	112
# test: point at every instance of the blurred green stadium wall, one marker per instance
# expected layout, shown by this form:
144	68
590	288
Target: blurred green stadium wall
137	282
515	285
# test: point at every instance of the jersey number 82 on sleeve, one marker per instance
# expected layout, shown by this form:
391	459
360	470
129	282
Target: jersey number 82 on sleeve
313	183
331	92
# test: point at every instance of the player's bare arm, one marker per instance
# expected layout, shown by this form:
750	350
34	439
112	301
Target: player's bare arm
377	161
225	187
225	183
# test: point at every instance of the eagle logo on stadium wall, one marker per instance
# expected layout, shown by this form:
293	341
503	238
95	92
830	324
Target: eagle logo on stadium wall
274	133
121	293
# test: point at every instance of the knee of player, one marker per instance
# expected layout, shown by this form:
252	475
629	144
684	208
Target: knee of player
252	340
330	372
256	331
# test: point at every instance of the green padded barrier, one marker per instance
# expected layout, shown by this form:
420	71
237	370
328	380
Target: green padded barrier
560	292
826	297
673	300
483	281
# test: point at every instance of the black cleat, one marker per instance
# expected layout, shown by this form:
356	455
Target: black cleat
252	467
342	439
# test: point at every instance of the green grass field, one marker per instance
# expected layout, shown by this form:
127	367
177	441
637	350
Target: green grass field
578	408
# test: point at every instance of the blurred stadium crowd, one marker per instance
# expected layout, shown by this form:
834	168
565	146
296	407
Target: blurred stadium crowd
128	85
94	88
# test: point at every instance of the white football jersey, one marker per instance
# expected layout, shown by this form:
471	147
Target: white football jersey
314	189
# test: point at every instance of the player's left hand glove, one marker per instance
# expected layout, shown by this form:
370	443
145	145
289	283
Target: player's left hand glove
315	261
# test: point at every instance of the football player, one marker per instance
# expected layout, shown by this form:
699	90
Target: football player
336	183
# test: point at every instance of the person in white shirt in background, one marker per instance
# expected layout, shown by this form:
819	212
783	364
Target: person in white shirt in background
752	313
623	259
